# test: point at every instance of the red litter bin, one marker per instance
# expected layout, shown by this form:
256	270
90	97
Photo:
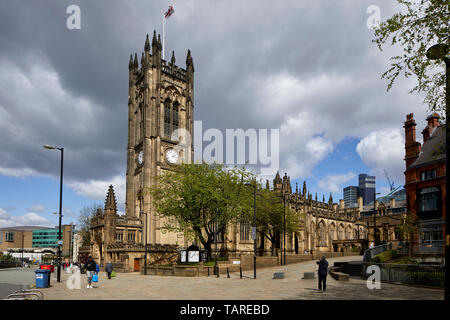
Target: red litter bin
48	267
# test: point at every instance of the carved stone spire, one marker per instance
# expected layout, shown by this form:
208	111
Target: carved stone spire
267	185
154	43
147	44
296	188
159	42
304	188
189	61
316	196
323	200
330	200
130	64
142	60
136	66
110	203
172	60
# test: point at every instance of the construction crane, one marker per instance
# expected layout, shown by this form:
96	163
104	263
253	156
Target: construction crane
391	184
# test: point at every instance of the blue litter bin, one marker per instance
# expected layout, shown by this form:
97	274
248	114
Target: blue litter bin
42	278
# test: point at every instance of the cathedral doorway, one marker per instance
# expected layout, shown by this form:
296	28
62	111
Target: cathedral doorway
136	265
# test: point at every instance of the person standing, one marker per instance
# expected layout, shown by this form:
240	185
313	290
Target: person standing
109	268
90	266
323	271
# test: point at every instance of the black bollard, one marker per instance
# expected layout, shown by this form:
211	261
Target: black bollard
240	271
208	271
217	271
228	273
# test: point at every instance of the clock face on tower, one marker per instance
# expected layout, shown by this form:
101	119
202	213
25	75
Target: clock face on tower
172	156
140	157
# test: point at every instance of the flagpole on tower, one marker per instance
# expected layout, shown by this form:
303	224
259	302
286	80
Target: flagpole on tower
166	15
164	33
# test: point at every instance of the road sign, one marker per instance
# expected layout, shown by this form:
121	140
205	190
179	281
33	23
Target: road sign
60	242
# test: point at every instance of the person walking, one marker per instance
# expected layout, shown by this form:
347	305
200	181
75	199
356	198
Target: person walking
90	266
109	268
323	271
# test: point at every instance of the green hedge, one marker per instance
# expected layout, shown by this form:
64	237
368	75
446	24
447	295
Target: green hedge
385	256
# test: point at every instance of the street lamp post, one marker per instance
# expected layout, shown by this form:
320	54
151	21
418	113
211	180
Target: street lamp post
284	228
60	209
215	240
145	236
254	227
374	218
440	52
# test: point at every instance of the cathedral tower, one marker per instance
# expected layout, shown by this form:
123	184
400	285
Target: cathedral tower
160	101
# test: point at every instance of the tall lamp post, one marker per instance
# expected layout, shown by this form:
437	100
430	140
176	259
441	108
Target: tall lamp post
374	219
60	209
440	52
216	229
254	226
284	228
145	236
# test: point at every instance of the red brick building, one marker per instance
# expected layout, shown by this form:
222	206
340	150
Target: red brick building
425	182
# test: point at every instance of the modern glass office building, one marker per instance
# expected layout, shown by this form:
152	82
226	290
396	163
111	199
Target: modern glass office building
45	238
351	196
366	188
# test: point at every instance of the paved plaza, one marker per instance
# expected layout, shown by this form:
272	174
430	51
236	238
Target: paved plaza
292	287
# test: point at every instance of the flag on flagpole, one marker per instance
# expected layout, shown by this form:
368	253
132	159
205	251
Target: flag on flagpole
169	12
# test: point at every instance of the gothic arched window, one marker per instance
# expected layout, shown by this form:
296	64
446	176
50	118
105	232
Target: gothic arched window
167	118
175	117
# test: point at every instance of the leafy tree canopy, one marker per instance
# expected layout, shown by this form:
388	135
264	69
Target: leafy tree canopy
422	24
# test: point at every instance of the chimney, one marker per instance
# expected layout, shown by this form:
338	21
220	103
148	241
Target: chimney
392	203
433	120
412	147
360	203
341	204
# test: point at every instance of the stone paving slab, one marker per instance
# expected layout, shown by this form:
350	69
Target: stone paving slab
136	286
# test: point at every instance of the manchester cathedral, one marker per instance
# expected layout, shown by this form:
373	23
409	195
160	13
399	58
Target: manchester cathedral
160	117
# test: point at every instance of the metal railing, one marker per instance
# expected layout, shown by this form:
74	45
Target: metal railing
412	274
27	294
372	252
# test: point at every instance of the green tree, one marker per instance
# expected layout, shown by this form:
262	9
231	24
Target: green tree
189	196
422	24
407	230
84	222
270	217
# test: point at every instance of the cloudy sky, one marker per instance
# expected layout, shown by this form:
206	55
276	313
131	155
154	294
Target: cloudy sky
306	68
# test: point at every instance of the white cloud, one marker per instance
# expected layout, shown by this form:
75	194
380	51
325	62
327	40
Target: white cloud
301	144
384	149
97	189
29	219
334	183
19	172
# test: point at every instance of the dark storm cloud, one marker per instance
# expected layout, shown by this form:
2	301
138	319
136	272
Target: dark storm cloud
315	58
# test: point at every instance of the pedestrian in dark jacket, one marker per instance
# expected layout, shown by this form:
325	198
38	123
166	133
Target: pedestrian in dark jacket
90	266
323	271
109	269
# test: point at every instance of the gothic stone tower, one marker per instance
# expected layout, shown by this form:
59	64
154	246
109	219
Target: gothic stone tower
161	100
